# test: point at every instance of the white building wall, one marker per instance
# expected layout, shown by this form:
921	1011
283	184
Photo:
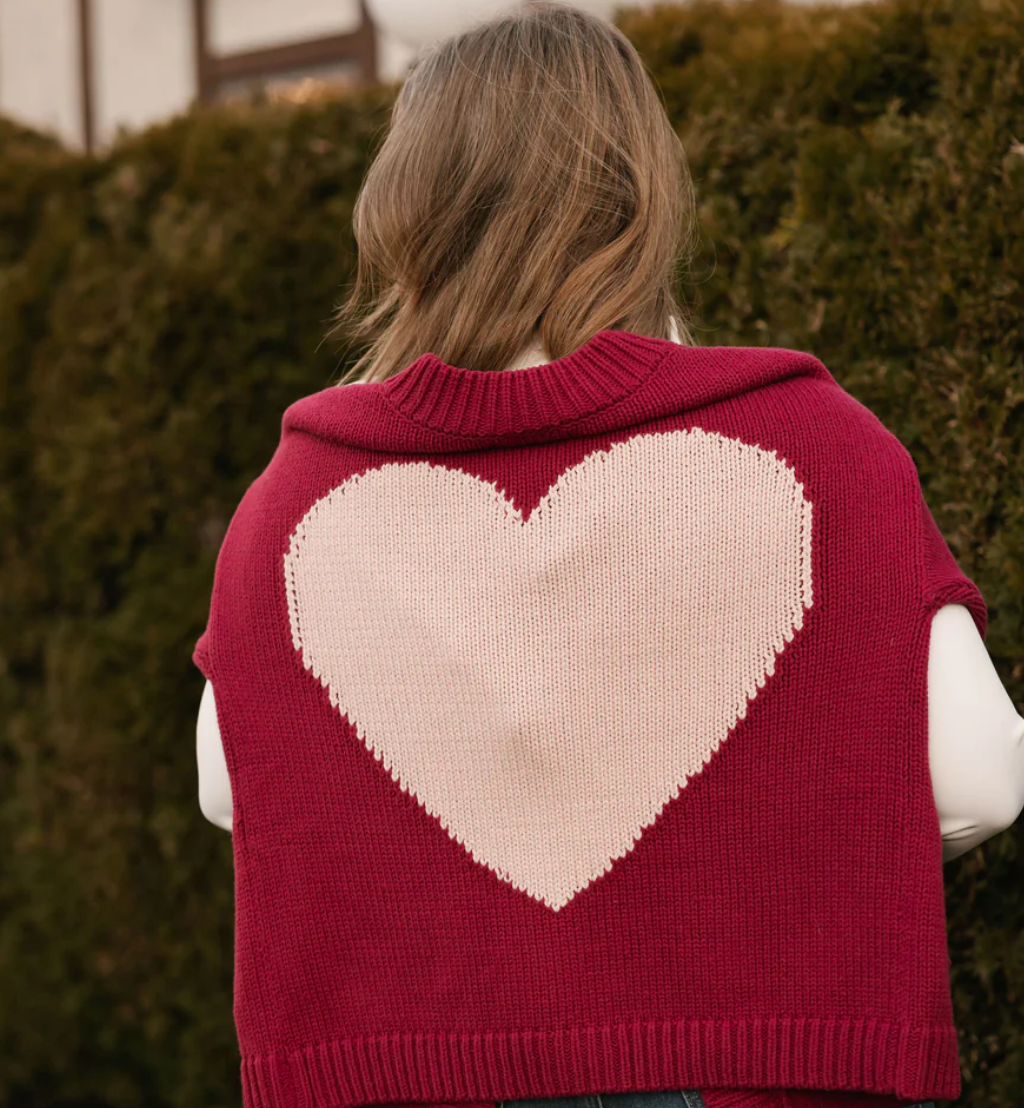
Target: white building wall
143	51
144	66
40	74
236	26
393	57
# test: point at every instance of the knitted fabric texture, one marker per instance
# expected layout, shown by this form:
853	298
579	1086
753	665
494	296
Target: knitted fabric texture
518	677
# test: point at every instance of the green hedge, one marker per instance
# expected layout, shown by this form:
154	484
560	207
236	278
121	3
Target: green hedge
861	176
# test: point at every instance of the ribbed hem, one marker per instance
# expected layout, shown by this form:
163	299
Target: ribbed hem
486	1066
475	402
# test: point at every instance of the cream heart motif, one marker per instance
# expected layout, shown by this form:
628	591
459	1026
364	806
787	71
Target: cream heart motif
545	686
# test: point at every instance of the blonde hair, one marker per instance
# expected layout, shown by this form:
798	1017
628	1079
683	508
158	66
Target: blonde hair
530	187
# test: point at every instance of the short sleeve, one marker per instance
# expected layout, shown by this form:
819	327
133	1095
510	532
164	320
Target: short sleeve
206	653
944	582
201	655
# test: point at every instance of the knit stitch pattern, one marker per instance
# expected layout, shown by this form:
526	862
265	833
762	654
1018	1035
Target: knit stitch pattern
706	527
519	677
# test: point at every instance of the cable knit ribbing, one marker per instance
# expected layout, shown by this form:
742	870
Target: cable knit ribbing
516	672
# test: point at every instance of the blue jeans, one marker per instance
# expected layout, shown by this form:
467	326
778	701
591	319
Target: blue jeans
684	1098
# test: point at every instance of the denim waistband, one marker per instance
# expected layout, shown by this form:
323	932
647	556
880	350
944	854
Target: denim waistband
681	1098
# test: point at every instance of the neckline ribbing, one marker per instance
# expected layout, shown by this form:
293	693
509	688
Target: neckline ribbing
605	370
615	381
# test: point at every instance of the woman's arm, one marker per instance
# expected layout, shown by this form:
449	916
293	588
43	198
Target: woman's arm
975	736
214	784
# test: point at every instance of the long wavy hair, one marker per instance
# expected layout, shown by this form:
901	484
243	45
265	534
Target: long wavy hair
530	187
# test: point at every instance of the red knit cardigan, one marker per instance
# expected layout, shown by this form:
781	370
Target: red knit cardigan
519	676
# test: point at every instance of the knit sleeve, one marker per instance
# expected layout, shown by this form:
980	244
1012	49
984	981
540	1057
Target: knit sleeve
211	652
201	655
205	651
943	581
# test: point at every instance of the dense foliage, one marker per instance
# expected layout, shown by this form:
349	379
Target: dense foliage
861	178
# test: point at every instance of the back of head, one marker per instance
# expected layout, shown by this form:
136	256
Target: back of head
530	186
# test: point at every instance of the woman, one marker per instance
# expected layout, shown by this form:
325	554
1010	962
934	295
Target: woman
573	681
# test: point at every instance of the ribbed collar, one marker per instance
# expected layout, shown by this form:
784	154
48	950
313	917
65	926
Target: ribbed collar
605	370
615	380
